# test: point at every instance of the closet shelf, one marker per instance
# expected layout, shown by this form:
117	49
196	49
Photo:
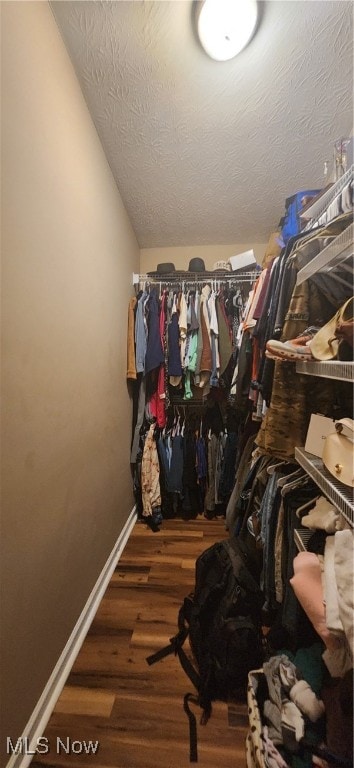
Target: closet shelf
339	494
320	206
330	369
336	252
302	537
197	277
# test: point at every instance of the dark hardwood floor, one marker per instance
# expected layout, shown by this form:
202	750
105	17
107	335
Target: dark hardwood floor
112	696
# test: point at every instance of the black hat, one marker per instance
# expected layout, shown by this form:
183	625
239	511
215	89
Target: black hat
163	269
196	265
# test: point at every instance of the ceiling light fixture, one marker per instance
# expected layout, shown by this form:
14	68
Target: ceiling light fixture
226	26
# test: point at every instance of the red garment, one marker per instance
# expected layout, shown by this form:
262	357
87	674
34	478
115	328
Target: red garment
262	296
157	402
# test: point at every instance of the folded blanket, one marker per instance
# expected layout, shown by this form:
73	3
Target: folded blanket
330	589
343	566
307	585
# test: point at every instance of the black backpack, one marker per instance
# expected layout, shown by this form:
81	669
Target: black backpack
222	618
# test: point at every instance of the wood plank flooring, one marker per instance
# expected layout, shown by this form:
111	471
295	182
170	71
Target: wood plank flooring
135	712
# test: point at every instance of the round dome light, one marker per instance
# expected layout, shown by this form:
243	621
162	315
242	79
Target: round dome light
226	26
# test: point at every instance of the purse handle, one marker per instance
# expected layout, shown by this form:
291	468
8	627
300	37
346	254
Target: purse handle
345	427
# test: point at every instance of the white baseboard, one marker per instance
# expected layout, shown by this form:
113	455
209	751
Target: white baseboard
45	705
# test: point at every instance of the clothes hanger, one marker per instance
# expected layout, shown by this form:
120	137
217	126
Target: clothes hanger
347	268
304	507
184	421
300	482
274	467
348	283
178	425
147	297
289	478
173	428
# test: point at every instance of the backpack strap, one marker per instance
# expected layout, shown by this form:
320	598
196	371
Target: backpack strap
188	667
175	644
193	740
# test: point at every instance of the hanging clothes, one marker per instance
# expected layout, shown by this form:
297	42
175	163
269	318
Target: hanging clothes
174	357
227	477
131	363
176	466
157	403
212	459
150	476
205	366
183	325
140	398
191	505
225	344
141	333
191	325
154	352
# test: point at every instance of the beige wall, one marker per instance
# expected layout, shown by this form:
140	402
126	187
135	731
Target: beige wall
180	256
68	255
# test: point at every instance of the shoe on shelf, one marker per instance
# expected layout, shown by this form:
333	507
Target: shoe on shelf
295	349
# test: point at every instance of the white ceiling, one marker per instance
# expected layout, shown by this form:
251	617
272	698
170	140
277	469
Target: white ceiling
202	151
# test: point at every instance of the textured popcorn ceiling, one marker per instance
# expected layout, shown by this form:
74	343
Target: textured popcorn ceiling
203	151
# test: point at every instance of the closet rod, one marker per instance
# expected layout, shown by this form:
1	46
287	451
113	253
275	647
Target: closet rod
188	278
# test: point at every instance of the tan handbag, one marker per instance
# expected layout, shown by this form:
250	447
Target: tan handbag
338	452
326	343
